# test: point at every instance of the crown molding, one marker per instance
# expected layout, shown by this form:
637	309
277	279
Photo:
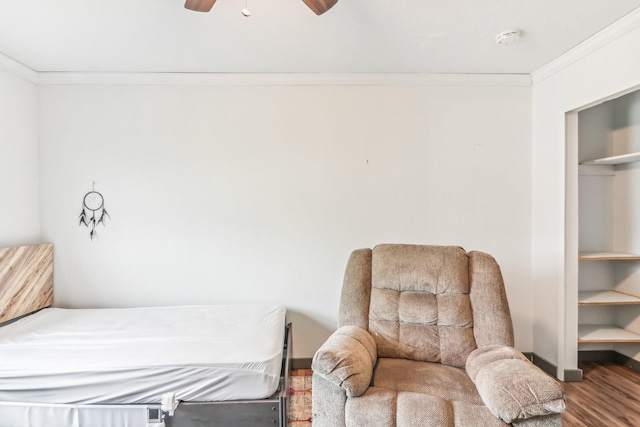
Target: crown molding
283	79
260	79
611	33
17	68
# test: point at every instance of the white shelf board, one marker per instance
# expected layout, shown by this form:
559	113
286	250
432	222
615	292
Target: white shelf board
614	160
605	333
606	298
597	170
606	256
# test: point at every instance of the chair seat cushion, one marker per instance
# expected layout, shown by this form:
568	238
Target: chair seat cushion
428	378
381	407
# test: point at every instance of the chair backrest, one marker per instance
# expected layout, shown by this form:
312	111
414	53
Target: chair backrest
428	303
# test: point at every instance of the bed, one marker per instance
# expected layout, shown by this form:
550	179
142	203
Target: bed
223	365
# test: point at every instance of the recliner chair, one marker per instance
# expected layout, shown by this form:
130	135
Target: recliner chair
425	338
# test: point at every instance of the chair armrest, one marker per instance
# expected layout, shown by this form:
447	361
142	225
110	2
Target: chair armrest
347	359
511	386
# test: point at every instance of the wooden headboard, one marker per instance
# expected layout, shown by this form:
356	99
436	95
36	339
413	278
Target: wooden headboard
26	280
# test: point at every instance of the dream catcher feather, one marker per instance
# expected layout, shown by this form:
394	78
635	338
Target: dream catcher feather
93	211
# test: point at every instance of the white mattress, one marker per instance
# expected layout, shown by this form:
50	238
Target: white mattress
125	356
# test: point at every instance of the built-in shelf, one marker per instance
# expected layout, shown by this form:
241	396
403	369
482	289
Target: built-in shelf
603	277
606	298
605	333
607	256
614	160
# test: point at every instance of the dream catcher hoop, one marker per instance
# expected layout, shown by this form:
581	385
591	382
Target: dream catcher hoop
93	211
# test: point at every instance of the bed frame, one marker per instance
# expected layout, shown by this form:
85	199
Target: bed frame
26	286
240	413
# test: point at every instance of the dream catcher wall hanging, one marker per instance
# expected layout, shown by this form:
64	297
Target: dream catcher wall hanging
93	211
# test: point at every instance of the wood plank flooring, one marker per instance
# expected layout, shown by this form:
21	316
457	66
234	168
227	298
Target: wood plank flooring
609	395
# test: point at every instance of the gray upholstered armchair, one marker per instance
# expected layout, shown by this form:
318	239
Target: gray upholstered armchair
425	339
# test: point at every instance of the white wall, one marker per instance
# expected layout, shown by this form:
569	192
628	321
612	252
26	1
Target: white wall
19	206
225	194
611	68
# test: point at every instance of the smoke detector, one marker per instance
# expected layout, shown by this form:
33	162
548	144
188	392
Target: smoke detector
508	37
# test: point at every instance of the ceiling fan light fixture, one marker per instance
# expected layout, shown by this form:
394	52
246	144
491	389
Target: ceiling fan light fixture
508	37
245	10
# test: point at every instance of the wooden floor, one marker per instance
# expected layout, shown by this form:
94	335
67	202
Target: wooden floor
609	395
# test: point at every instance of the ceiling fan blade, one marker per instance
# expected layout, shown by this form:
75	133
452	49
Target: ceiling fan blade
320	6
199	5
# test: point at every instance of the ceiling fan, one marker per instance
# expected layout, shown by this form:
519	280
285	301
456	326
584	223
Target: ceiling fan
318	6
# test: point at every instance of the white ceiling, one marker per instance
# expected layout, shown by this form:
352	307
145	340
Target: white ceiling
284	36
